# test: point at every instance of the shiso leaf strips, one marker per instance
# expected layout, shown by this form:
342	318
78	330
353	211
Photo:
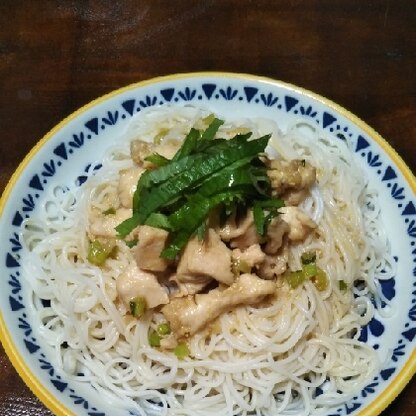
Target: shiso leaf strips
205	173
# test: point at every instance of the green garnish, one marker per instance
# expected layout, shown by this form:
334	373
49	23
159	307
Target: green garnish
181	350
342	285
264	211
138	306
98	252
205	173
163	328
156	159
154	339
240	266
320	280
310	271
131	243
308	257
295	278
109	211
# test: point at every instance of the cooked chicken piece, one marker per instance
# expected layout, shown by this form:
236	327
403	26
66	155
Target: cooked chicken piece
242	234
252	256
185	289
151	242
189	315
209	258
274	265
299	223
276	230
232	230
135	282
292	197
127	185
101	225
139	150
293	174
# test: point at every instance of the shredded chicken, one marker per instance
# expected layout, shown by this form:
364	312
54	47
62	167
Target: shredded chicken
103	225
127	185
189	288
135	282
241	234
276	230
293	174
209	258
151	242
251	257
190	314
274	265
299	223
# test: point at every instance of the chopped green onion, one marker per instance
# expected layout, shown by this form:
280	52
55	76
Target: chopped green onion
181	350
163	328
138	306
154	339
309	270
98	252
295	279
342	285
109	211
320	280
240	266
308	257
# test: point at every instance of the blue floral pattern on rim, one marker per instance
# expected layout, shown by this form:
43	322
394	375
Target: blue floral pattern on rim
249	92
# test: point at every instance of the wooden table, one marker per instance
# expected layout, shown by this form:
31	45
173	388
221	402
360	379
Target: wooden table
58	55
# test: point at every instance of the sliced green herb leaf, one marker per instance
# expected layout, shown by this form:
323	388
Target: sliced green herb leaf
157	159
158	220
188	145
212	129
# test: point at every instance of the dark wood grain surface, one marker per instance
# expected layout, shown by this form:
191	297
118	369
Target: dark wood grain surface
57	56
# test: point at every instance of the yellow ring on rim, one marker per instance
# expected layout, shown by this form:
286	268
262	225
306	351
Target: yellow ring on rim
395	386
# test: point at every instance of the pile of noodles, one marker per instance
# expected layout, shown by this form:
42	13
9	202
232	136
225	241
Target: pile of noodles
297	354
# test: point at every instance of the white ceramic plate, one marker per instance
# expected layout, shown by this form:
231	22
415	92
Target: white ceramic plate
64	153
